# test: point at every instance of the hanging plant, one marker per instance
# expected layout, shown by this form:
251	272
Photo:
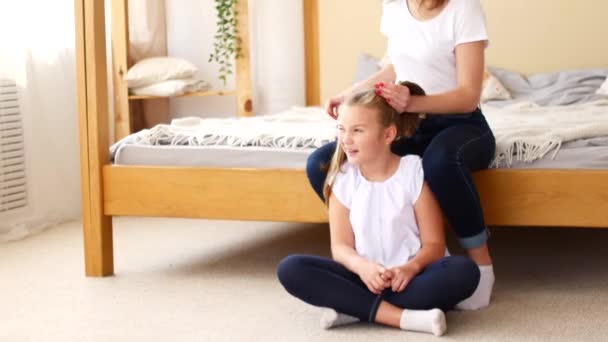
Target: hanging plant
227	44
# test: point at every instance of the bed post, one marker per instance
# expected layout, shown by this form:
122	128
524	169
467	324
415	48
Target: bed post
92	92
123	121
243	64
311	51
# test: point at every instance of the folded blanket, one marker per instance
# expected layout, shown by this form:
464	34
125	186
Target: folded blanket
527	132
297	128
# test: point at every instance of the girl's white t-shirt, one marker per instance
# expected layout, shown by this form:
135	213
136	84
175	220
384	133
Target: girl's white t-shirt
424	51
382	213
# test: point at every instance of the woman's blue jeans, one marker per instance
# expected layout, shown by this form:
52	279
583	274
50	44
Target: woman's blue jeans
452	147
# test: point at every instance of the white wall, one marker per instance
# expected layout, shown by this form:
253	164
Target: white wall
277	52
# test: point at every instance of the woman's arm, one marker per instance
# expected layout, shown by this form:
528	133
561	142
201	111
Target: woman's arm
463	99
385	75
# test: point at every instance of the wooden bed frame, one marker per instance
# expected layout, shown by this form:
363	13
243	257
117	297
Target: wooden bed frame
559	198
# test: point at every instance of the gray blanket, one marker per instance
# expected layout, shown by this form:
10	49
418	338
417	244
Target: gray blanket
551	89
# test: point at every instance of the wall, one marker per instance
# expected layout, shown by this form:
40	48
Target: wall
277	54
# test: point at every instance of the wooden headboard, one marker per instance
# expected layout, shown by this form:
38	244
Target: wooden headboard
525	36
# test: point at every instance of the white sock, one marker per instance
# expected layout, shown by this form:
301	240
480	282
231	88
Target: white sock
481	296
429	321
331	318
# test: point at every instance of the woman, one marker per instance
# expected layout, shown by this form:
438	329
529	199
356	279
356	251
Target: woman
438	44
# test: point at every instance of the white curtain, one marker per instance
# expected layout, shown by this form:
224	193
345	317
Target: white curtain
278	55
147	38
37	51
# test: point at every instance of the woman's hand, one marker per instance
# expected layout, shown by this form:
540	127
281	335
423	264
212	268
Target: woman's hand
375	276
402	276
397	95
333	104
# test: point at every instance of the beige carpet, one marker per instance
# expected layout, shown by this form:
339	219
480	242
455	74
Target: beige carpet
191	280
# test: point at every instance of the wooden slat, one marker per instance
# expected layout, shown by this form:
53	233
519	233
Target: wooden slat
7	177
236	194
200	93
243	64
9	104
311	52
560	198
13	205
92	91
120	66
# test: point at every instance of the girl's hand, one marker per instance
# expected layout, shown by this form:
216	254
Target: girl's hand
398	96
375	276
402	276
333	104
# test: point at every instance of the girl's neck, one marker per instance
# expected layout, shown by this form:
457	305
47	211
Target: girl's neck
382	168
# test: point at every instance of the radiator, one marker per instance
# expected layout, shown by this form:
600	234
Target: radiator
13	185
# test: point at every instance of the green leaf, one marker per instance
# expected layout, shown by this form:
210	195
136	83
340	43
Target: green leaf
226	45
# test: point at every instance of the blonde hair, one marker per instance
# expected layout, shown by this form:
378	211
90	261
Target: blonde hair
406	125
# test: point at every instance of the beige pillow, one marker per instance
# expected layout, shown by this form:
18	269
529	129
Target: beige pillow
157	69
492	89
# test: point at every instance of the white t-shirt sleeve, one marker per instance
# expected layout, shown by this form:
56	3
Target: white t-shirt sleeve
388	16
470	25
343	186
417	177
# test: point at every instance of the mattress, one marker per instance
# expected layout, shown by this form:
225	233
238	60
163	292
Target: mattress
212	156
580	154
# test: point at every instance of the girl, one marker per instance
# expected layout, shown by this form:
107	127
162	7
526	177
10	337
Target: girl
386	229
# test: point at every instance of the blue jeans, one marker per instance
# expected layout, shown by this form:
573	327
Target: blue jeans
451	147
323	282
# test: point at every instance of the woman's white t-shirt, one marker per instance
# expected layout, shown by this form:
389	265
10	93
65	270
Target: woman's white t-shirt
382	213
423	51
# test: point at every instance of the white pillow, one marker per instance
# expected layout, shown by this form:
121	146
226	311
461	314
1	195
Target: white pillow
171	88
157	69
603	89
492	89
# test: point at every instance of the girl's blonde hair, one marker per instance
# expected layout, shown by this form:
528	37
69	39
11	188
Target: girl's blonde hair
406	125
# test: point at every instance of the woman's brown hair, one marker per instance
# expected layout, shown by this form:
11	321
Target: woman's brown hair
406	125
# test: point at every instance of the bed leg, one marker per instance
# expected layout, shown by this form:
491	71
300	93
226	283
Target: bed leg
92	91
98	247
